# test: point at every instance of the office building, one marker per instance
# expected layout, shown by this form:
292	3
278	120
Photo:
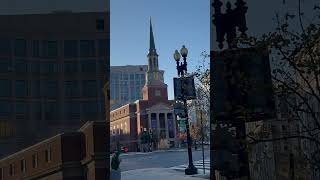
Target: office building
126	83
52	71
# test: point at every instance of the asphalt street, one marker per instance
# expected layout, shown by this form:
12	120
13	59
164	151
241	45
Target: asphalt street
165	159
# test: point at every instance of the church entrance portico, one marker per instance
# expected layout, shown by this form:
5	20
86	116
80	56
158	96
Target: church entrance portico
161	124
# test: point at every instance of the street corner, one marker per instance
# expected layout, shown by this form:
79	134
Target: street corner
157	174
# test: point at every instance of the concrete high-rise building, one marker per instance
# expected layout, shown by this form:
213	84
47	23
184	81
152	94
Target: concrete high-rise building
52	71
126	83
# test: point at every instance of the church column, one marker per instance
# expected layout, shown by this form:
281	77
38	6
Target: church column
149	120
174	128
158	126
166	124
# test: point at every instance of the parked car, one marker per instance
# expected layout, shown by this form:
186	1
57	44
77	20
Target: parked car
124	149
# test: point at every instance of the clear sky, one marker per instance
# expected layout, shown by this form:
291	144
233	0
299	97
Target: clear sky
175	23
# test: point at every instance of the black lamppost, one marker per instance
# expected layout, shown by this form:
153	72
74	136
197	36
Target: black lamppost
228	22
182	71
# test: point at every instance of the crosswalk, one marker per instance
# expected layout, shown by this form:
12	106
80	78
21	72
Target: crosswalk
197	164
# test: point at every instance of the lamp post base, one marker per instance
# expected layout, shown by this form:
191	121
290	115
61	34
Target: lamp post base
190	170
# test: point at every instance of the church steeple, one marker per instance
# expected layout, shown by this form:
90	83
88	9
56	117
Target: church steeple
154	88
152	46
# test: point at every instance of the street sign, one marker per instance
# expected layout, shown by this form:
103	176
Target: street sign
180	112
182	129
242	78
184	88
182	125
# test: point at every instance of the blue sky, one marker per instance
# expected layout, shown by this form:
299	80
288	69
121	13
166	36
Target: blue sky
175	23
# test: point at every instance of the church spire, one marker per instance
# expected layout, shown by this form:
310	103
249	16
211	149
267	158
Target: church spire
152	47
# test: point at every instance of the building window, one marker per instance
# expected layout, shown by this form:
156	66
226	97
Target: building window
52	88
70	48
5	109
162	121
51	111
20	47
72	110
100	24
70	67
5	88
35	160
154	123
35	67
158	93
71	88
87	48
4	65
90	109
50	49
21	108
102	67
89	88
12	170
35	48
36	110
6	129
21	88
48	154
35	88
21	66
103	47
88	66
48	67
5	48
23	165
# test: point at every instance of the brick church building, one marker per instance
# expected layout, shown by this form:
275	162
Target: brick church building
154	113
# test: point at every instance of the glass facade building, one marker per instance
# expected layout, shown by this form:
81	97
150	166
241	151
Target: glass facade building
126	83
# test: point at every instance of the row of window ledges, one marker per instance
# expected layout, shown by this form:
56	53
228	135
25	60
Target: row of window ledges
153	115
54	67
50	48
91	106
50	88
126	76
23	164
124	100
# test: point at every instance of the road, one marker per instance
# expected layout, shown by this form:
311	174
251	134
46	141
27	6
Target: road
159	159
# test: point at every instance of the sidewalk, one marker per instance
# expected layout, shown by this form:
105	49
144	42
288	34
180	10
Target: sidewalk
198	164
158	174
161	150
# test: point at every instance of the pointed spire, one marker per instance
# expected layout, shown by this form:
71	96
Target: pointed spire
152	46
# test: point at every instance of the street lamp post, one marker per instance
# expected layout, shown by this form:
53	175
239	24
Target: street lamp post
202	139
182	71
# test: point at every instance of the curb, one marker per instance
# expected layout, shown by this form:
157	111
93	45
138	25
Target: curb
160	172
157	151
